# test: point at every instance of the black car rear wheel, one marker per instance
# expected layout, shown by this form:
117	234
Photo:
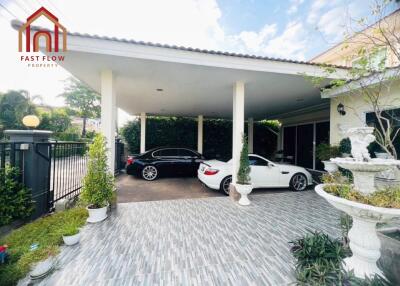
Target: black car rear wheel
224	187
149	173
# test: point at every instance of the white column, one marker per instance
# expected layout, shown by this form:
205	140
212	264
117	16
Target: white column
142	132
238	126
250	128
108	114
200	134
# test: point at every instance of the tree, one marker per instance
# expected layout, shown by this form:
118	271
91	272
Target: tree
14	105
370	76
81	99
243	174
98	184
57	120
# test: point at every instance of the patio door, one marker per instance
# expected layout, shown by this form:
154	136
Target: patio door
305	147
299	142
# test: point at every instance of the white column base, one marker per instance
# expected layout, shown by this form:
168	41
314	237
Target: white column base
365	181
365	245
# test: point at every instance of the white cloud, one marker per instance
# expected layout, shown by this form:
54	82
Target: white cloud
332	24
316	9
254	41
294	6
192	23
292	43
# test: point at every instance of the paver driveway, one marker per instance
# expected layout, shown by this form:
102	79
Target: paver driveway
210	241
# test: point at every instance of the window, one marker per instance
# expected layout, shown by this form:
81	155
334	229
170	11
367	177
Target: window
187	153
393	115
166	153
255	161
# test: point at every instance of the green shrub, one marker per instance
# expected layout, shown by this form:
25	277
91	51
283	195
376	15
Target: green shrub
243	175
98	184
182	132
15	198
346	222
319	261
345	146
46	232
71	227
318	258
324	152
339	186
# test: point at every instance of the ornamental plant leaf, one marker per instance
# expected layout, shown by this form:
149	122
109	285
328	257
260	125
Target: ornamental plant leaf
98	184
243	175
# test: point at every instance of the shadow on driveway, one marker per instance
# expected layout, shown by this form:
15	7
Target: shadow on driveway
133	189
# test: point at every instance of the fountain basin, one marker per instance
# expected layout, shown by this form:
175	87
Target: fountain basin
364	242
364	172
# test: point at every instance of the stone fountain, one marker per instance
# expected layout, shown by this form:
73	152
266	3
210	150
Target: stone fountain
364	242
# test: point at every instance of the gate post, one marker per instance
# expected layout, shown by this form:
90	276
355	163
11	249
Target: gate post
36	165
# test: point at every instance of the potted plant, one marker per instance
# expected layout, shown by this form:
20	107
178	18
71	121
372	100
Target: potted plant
98	184
243	184
325	152
345	147
44	267
71	234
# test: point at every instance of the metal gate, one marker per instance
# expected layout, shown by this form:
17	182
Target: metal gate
67	164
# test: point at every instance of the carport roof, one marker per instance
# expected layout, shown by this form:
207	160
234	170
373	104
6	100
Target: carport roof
193	81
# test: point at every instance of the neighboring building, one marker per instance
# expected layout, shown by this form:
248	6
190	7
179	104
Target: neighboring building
92	124
346	52
358	111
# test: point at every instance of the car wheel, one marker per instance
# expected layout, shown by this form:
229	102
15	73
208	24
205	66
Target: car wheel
298	182
149	173
224	187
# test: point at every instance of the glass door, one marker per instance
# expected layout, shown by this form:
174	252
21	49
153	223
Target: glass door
305	147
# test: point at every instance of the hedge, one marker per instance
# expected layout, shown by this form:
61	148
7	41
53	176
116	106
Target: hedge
182	132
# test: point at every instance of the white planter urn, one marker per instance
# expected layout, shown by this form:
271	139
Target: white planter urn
364	242
97	215
72	239
330	167
43	268
244	190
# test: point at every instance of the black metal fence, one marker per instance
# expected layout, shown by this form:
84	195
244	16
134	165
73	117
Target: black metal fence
68	163
64	165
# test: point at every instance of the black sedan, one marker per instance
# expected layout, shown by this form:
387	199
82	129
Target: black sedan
166	161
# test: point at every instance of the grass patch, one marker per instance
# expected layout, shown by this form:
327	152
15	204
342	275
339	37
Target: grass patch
47	233
340	187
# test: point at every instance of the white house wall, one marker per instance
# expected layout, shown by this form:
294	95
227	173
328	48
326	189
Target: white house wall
356	108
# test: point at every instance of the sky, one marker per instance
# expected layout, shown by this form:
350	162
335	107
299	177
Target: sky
292	29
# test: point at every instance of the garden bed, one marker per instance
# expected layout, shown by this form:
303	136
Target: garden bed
46	232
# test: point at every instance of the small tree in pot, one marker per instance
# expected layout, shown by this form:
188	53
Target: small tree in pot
98	184
243	183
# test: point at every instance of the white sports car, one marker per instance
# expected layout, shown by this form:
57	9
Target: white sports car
264	174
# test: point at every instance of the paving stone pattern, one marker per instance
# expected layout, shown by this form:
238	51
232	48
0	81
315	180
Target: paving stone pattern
208	241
